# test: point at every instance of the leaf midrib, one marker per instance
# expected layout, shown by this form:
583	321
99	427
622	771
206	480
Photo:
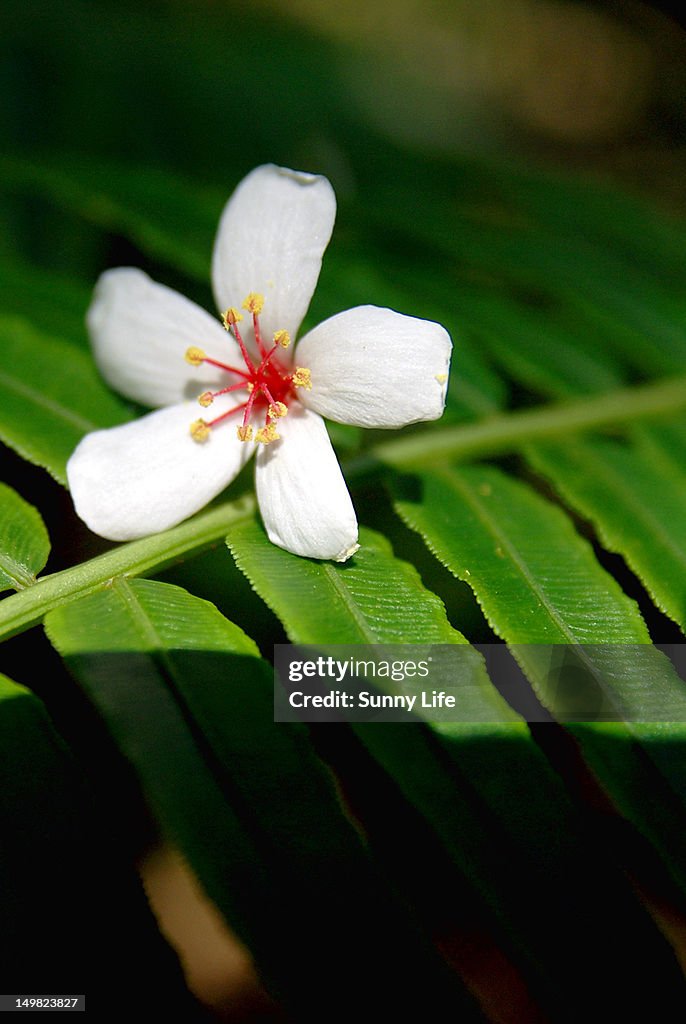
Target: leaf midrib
351	605
519	562
142	624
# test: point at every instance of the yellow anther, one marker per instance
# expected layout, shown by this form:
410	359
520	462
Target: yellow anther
249	387
231	317
200	431
267	434
254	303
206	398
244	432
302	378
441	377
277	409
194	356
282	338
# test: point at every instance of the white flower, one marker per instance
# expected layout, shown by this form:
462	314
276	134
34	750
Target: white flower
368	366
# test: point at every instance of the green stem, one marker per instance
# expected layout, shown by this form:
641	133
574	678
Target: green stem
512	431
28	607
496	435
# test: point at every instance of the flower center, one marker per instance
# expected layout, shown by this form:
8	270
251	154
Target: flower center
269	385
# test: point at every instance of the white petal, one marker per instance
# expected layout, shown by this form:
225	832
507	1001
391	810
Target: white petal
372	367
271	238
148	475
140	331
302	495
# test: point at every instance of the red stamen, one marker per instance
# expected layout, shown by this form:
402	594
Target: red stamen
268	395
267	357
232	387
258	335
229	369
244	352
225	415
248	406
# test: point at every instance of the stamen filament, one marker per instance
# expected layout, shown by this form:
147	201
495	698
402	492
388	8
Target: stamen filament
229	369
232	387
244	352
258	335
248	406
225	415
268	395
267	357
254	303
208	397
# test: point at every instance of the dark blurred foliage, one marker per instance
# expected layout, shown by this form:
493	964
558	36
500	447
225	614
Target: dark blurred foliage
211	89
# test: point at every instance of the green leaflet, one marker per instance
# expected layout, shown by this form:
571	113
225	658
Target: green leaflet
189	702
373	598
664	444
535	579
539	348
539	584
50	396
635	496
24	541
50	301
144	616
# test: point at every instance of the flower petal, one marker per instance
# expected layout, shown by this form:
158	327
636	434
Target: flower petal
140	331
302	495
271	238
148	475
372	367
